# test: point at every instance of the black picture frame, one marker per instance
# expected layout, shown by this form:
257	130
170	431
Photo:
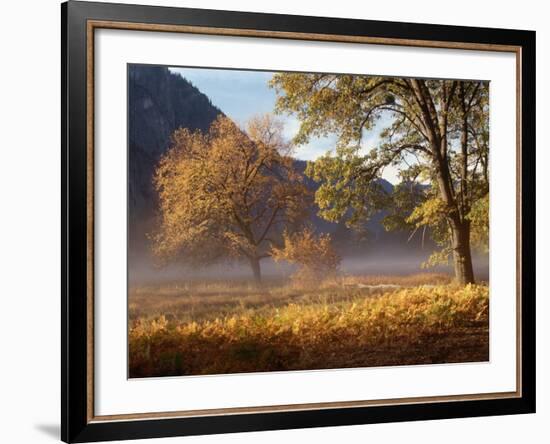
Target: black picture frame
76	424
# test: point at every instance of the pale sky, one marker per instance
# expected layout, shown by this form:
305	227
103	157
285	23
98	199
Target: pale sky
243	94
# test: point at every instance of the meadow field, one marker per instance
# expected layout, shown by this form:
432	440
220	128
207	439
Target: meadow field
233	326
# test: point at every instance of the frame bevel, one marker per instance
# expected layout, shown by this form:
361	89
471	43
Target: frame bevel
79	20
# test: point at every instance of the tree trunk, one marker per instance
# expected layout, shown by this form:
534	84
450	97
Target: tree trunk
462	254
255	265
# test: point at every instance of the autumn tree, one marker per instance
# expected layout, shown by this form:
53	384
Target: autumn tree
435	132
227	193
314	254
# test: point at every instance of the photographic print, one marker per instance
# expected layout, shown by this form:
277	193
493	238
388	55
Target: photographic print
282	221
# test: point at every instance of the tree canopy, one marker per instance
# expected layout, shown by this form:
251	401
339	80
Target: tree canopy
434	131
227	193
313	253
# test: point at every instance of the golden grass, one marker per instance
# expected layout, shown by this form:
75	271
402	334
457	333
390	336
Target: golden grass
411	280
198	300
335	327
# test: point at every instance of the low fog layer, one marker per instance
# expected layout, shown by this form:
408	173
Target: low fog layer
142	271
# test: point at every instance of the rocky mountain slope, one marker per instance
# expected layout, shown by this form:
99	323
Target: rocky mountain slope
159	102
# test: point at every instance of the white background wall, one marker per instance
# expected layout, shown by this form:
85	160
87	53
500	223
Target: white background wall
30	221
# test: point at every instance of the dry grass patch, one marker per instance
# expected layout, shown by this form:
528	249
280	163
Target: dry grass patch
336	328
410	280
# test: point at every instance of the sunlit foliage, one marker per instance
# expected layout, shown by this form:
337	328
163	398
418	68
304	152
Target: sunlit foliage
228	193
314	254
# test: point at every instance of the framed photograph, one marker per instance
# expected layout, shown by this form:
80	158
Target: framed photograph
275	221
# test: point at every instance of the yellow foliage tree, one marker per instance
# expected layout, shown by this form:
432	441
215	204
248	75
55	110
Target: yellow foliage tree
228	193
314	255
